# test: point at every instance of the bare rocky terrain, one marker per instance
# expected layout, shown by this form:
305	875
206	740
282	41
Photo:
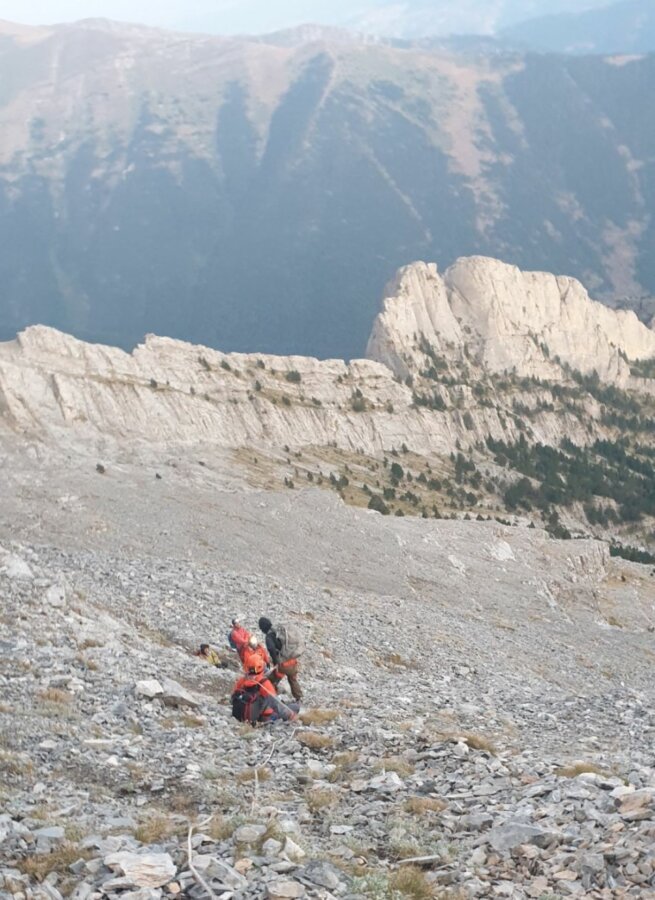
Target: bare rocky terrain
477	695
478	718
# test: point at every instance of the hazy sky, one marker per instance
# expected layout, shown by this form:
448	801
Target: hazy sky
194	15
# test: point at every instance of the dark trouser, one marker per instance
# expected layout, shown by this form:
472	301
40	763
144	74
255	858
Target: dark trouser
284	711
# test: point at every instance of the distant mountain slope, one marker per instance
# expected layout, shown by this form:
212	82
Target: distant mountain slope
257	196
419	18
625	27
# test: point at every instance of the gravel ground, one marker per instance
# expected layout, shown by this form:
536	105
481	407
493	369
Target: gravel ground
477	696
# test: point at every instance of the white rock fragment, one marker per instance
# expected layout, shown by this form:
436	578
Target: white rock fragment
16	568
143	870
285	890
149	689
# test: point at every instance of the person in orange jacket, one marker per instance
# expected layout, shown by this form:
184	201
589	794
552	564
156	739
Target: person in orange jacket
255	700
254	654
238	637
248	647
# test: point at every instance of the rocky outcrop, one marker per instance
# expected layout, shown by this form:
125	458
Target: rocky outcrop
481	313
505	320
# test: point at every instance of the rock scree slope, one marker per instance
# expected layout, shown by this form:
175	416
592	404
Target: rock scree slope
479	702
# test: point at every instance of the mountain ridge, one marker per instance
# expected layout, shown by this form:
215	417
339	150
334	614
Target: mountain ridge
183	159
457	379
625	27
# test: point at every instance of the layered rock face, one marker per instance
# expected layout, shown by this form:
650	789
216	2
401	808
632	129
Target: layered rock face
481	311
507	320
168	391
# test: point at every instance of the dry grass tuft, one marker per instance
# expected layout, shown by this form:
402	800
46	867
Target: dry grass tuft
344	763
479	742
12	764
191	721
221	828
314	740
318	716
246	732
185	804
320	798
581	768
419	806
395	764
395	661
411	882
346	759
247	775
89	643
40	865
154	829
56	695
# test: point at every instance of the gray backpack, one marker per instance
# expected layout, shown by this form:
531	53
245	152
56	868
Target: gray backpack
291	641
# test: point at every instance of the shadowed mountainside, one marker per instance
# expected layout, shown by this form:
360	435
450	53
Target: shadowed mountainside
259	194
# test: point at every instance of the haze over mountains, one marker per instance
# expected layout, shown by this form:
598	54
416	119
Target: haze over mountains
624	27
394	18
257	194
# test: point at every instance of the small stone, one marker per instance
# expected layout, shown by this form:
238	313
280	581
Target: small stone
341	829
474	822
271	847
55	596
513	834
149	689
565	875
52	833
249	834
176	695
148	870
285	890
16	568
389	782
293	851
638	806
322	874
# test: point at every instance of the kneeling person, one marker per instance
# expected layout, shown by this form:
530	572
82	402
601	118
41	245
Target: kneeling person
255	700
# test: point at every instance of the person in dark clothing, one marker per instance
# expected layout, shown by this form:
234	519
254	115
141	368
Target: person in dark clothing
282	667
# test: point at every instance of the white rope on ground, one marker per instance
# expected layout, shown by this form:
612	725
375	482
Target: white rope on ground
255	795
196	874
243	882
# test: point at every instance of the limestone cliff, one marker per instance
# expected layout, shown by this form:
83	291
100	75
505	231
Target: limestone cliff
481	313
505	320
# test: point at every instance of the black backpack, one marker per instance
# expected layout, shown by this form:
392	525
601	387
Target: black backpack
248	704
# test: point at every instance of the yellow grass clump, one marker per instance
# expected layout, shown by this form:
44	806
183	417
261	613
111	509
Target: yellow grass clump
314	740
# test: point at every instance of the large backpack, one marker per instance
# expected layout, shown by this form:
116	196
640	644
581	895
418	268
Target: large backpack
248	704
290	640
